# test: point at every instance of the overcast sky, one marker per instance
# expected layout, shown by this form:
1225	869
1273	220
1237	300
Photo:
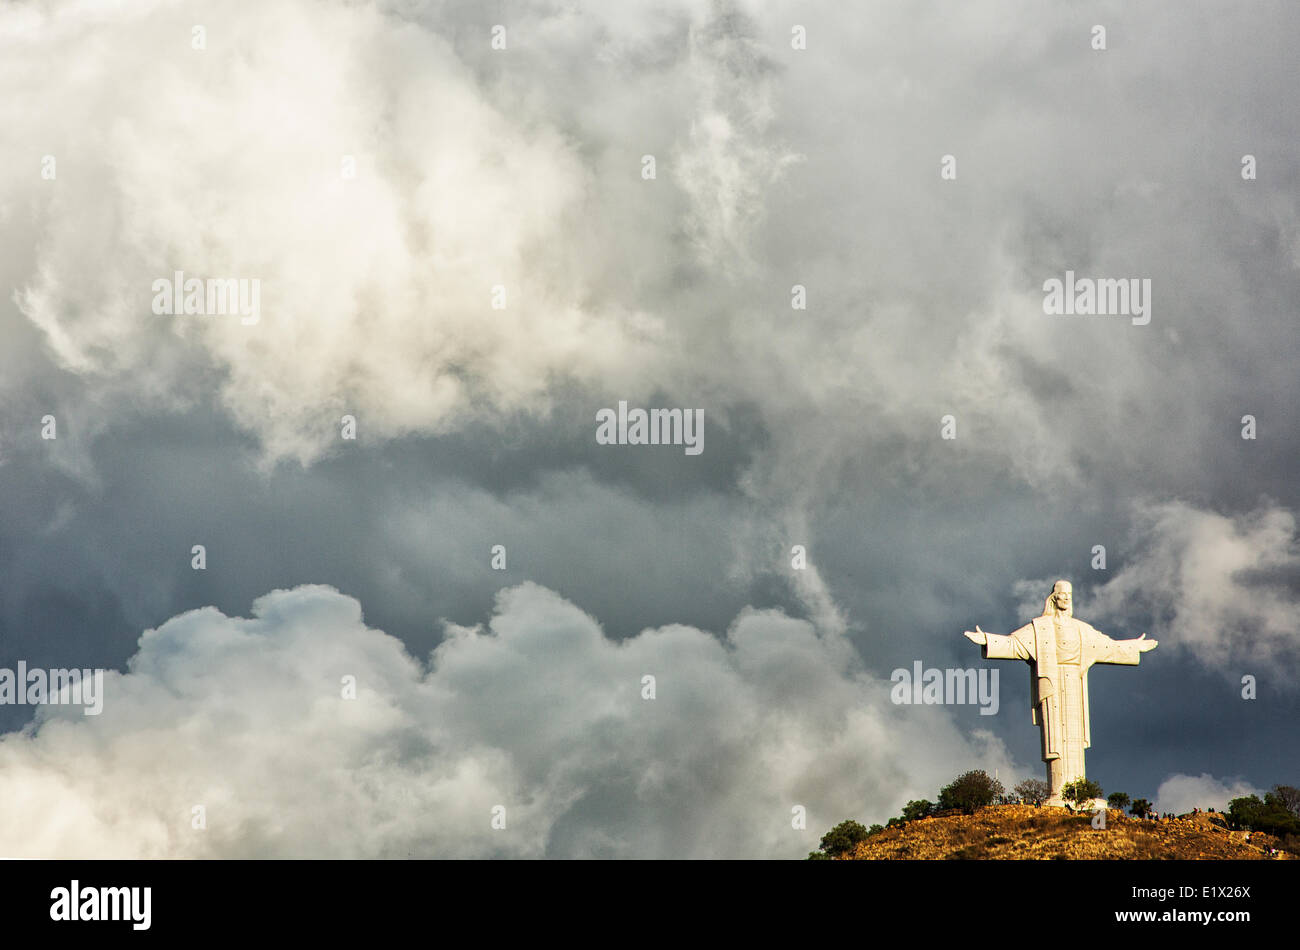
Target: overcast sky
136	146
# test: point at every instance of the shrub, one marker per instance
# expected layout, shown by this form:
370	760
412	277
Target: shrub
917	808
1079	791
843	837
1033	791
1270	815
1289	798
1292	843
970	791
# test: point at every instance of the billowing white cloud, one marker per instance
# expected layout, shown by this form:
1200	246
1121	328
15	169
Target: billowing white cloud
1222	587
1180	793
538	712
376	291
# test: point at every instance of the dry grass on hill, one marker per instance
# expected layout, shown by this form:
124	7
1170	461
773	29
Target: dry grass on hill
1022	832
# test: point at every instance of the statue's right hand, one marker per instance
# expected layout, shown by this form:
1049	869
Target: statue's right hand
978	636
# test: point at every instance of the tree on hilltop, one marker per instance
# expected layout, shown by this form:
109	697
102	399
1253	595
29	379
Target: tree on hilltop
970	791
1289	797
1270	815
1079	791
843	837
1033	791
917	808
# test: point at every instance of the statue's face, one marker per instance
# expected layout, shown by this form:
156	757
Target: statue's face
1063	594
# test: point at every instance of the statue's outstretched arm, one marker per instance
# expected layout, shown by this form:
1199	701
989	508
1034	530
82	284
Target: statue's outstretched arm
999	647
1123	652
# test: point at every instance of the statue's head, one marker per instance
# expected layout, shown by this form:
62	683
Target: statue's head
1060	599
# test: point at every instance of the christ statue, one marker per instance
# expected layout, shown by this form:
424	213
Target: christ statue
1061	649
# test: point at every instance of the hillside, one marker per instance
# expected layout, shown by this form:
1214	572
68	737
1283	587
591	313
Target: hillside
1023	832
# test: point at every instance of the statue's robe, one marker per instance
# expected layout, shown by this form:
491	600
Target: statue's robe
1061	650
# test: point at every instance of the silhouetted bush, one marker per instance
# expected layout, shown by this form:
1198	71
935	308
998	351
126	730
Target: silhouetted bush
843	837
1272	815
917	808
970	791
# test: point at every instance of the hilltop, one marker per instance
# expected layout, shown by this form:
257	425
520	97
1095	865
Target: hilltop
1025	832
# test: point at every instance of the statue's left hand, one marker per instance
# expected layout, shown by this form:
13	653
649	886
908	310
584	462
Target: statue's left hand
1147	645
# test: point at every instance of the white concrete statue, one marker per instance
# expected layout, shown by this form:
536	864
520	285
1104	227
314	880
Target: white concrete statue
1061	650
